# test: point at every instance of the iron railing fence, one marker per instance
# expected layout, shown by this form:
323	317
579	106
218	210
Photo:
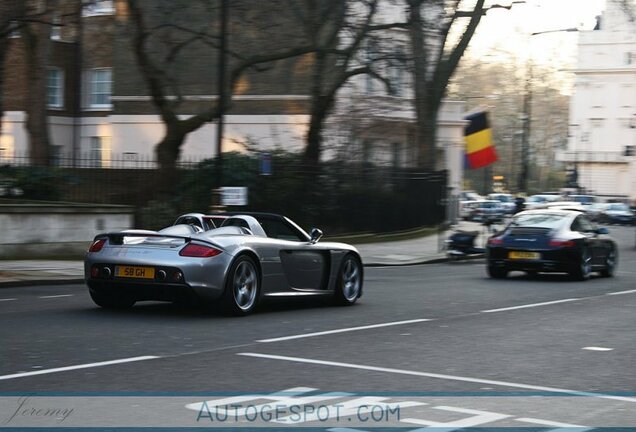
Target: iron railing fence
339	196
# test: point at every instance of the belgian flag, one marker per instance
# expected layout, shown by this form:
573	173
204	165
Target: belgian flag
480	150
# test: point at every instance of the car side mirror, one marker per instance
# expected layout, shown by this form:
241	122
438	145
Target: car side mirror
602	230
315	235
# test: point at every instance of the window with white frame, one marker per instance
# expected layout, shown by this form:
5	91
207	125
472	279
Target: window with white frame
98	7
55	88
100	86
95	152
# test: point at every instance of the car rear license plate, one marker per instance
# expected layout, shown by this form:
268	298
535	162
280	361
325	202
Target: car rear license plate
524	255
135	272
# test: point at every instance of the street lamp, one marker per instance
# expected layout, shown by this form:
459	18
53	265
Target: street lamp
522	183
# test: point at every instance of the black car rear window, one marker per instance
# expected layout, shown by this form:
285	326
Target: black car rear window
539	220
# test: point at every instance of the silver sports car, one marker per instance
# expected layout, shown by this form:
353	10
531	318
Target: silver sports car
250	256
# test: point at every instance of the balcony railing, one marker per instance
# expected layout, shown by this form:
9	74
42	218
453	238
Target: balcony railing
590	156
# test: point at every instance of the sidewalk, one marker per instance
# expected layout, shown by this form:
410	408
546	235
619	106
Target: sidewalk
403	252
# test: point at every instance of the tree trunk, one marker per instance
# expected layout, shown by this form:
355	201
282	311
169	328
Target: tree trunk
4	46
37	38
313	150
168	151
424	131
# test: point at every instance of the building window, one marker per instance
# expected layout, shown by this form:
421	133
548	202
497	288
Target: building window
55	88
95	152
100	84
99	7
56	28
14	29
397	74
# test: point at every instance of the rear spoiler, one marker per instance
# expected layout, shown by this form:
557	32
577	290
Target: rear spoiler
117	238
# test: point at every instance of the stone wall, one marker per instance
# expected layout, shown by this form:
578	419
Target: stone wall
56	230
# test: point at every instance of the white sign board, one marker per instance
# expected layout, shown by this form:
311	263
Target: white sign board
234	196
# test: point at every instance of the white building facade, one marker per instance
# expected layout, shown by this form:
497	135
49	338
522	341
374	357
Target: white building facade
602	138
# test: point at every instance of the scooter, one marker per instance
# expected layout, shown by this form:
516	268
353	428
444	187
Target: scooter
462	244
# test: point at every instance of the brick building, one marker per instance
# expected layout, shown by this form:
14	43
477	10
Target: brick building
108	111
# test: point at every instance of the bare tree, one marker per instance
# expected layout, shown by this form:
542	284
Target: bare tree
629	7
440	32
12	14
37	42
339	30
166	34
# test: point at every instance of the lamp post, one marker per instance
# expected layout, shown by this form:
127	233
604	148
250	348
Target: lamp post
221	82
522	183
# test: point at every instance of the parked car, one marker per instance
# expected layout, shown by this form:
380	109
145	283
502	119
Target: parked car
248	257
596	210
549	240
507	201
617	213
540	201
585	200
470	196
486	211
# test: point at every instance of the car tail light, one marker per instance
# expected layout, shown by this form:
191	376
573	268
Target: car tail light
495	241
199	251
561	243
97	245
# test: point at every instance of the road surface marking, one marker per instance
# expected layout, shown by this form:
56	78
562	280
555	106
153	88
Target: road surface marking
80	366
551	423
530	305
593	348
439	376
478	418
7	299
622	292
342	330
56	296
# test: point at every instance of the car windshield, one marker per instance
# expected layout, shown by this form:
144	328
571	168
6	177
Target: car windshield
539	220
489	205
618	207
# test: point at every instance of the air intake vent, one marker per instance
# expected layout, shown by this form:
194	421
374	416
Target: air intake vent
526	231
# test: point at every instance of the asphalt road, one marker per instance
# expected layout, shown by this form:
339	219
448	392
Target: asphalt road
446	344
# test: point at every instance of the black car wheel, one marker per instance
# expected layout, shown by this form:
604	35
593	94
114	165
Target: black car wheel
242	288
497	272
349	284
583	268
611	260
112	301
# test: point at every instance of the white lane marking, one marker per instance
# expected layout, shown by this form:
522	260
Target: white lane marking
56	296
343	330
551	423
8	299
594	348
621	292
530	305
478	418
439	376
80	366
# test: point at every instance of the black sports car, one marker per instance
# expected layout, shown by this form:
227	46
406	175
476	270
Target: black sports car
551	241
